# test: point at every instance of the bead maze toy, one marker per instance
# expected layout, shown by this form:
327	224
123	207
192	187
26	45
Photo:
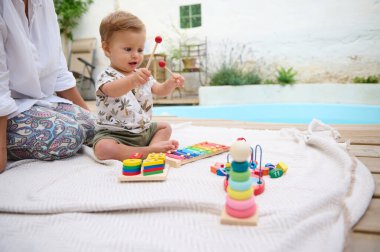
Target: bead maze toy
193	153
256	171
240	207
153	168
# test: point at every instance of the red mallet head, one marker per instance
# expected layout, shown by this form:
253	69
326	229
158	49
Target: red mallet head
158	39
162	63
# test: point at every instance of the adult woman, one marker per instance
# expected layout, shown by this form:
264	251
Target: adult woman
42	115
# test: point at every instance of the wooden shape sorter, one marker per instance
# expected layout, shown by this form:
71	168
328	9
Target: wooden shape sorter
153	168
193	153
142	178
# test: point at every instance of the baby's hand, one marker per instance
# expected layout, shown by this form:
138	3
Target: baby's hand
176	80
140	76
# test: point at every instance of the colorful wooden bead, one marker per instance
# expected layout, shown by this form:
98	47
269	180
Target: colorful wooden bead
276	173
264	171
228	166
221	172
215	167
282	166
258	184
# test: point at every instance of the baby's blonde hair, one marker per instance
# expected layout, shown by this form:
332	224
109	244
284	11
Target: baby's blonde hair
119	21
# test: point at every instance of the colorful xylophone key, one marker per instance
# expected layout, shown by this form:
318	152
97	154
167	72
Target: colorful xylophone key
194	152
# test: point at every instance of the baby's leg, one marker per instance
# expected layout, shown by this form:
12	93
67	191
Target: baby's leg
161	138
108	148
163	133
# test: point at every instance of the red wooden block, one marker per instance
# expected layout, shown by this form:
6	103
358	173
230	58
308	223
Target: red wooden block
136	156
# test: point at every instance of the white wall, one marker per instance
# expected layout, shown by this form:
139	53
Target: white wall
324	41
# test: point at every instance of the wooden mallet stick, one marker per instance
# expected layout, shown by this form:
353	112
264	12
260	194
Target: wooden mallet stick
158	40
162	64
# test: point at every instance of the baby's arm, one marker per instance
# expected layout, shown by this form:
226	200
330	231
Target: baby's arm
122	86
164	89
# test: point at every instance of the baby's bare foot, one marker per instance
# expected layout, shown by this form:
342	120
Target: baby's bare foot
163	146
175	144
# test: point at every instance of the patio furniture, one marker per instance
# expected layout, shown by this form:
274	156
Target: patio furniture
81	64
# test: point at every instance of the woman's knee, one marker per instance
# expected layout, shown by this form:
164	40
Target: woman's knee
50	137
83	117
64	145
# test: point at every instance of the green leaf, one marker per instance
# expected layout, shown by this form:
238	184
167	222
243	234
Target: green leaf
69	12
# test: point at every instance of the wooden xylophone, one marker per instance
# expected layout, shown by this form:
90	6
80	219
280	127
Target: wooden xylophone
193	153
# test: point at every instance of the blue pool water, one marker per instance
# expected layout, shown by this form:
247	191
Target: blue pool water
279	113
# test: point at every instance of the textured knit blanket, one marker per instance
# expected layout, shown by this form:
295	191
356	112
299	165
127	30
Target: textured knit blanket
77	204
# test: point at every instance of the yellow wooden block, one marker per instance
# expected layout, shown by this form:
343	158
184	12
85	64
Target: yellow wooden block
150	162
156	156
132	162
282	166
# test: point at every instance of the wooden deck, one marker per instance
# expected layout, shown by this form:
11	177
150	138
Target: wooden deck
365	145
188	100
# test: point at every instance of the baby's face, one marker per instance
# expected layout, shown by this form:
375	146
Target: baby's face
125	50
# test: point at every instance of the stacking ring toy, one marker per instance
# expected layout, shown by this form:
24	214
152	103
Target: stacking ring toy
240	195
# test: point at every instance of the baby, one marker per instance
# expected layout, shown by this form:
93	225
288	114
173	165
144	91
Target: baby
124	94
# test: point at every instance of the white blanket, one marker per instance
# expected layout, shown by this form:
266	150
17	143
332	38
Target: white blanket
78	205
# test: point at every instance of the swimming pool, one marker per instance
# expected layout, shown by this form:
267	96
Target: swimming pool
279	113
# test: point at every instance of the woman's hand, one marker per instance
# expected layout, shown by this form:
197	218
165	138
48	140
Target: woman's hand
73	95
3	142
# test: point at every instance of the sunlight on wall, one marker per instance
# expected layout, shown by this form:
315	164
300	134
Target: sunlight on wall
325	41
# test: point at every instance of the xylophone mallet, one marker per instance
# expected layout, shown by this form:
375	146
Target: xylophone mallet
158	40
162	64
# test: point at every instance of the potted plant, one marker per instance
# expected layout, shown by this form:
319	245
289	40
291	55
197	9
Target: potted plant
189	63
69	12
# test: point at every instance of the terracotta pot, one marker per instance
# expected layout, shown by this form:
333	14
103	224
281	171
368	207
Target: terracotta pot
189	63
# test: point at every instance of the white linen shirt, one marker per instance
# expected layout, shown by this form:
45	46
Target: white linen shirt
32	65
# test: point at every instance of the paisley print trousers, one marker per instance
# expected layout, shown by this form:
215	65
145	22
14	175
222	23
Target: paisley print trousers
49	133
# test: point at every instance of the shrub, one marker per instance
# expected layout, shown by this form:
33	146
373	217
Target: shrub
369	79
286	76
270	81
251	78
230	75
